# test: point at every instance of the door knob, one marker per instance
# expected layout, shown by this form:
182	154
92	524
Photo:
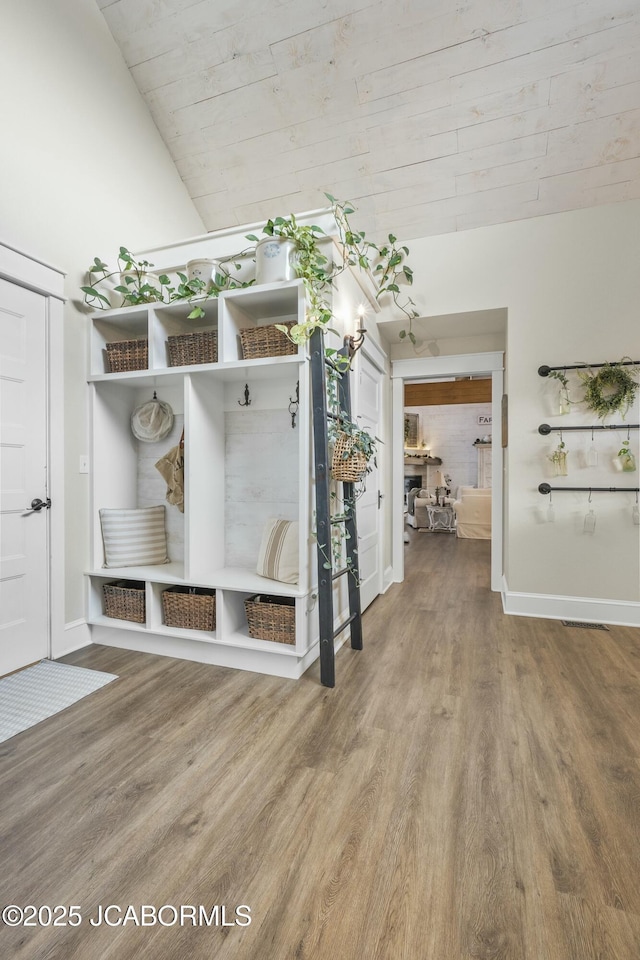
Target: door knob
37	505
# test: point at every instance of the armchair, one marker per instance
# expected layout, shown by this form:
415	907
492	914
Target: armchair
473	513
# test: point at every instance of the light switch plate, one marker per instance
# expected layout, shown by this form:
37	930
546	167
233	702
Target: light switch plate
84	463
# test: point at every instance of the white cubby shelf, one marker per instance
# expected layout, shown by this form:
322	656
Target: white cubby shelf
231	312
243	465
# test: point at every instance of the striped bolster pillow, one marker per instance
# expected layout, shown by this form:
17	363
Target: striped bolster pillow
278	557
134	538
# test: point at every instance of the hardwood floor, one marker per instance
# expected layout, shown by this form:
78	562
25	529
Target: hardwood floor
470	789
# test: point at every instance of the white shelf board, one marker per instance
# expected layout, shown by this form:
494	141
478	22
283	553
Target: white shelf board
224	578
267	300
143	378
114	622
241	579
204	636
248	643
241	640
158	573
266	368
180	309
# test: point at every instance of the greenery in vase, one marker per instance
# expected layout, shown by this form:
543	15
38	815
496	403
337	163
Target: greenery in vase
627	458
559	455
561	377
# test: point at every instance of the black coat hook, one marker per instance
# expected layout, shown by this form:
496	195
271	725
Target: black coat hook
247	400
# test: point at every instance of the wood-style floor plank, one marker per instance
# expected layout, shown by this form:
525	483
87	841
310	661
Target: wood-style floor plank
470	789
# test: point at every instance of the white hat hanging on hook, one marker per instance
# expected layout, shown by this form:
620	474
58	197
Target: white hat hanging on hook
152	421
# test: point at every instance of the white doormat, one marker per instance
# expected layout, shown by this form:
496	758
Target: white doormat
39	692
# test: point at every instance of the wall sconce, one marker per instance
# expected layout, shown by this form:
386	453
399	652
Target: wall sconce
355	341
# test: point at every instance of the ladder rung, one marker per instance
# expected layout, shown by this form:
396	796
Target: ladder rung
346	623
339	573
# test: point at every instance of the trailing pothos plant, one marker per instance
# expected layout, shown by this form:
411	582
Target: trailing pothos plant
386	264
139	286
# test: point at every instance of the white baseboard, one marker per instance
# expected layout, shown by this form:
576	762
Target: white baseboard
387	579
623	613
76	635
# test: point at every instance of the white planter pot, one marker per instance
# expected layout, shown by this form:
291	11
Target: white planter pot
139	279
275	260
201	270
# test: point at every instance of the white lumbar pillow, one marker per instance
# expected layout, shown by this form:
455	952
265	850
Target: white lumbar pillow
278	556
134	538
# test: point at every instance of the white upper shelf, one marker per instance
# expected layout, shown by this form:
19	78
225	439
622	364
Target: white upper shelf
232	312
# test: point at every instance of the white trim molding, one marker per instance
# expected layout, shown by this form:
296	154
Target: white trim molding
77	634
27	271
622	613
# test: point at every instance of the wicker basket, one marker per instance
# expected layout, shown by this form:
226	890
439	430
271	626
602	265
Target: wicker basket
266	341
189	348
189	608
127	355
271	618
351	468
124	600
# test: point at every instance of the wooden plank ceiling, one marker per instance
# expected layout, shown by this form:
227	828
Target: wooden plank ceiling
431	115
447	391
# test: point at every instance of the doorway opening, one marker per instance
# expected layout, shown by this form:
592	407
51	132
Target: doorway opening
430	370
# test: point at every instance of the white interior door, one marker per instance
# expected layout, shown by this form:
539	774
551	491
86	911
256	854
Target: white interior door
368	512
24	595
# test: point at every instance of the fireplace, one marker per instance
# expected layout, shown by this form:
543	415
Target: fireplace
411	483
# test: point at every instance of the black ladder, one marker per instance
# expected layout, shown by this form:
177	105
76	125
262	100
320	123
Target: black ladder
326	574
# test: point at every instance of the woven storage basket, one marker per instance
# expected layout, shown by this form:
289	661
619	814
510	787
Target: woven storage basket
349	469
189	608
124	600
127	355
266	341
188	348
271	618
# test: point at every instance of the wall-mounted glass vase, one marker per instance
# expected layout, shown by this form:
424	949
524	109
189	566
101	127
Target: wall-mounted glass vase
626	460
564	402
559	460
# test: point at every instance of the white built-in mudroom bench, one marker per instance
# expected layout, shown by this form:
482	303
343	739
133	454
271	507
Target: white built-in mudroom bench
244	463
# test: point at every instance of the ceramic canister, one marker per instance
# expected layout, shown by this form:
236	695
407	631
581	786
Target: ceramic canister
275	260
201	270
133	280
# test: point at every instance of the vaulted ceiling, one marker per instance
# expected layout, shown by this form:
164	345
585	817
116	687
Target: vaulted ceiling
430	115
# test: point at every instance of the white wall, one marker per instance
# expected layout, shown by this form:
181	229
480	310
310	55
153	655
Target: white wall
571	285
84	170
450	430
